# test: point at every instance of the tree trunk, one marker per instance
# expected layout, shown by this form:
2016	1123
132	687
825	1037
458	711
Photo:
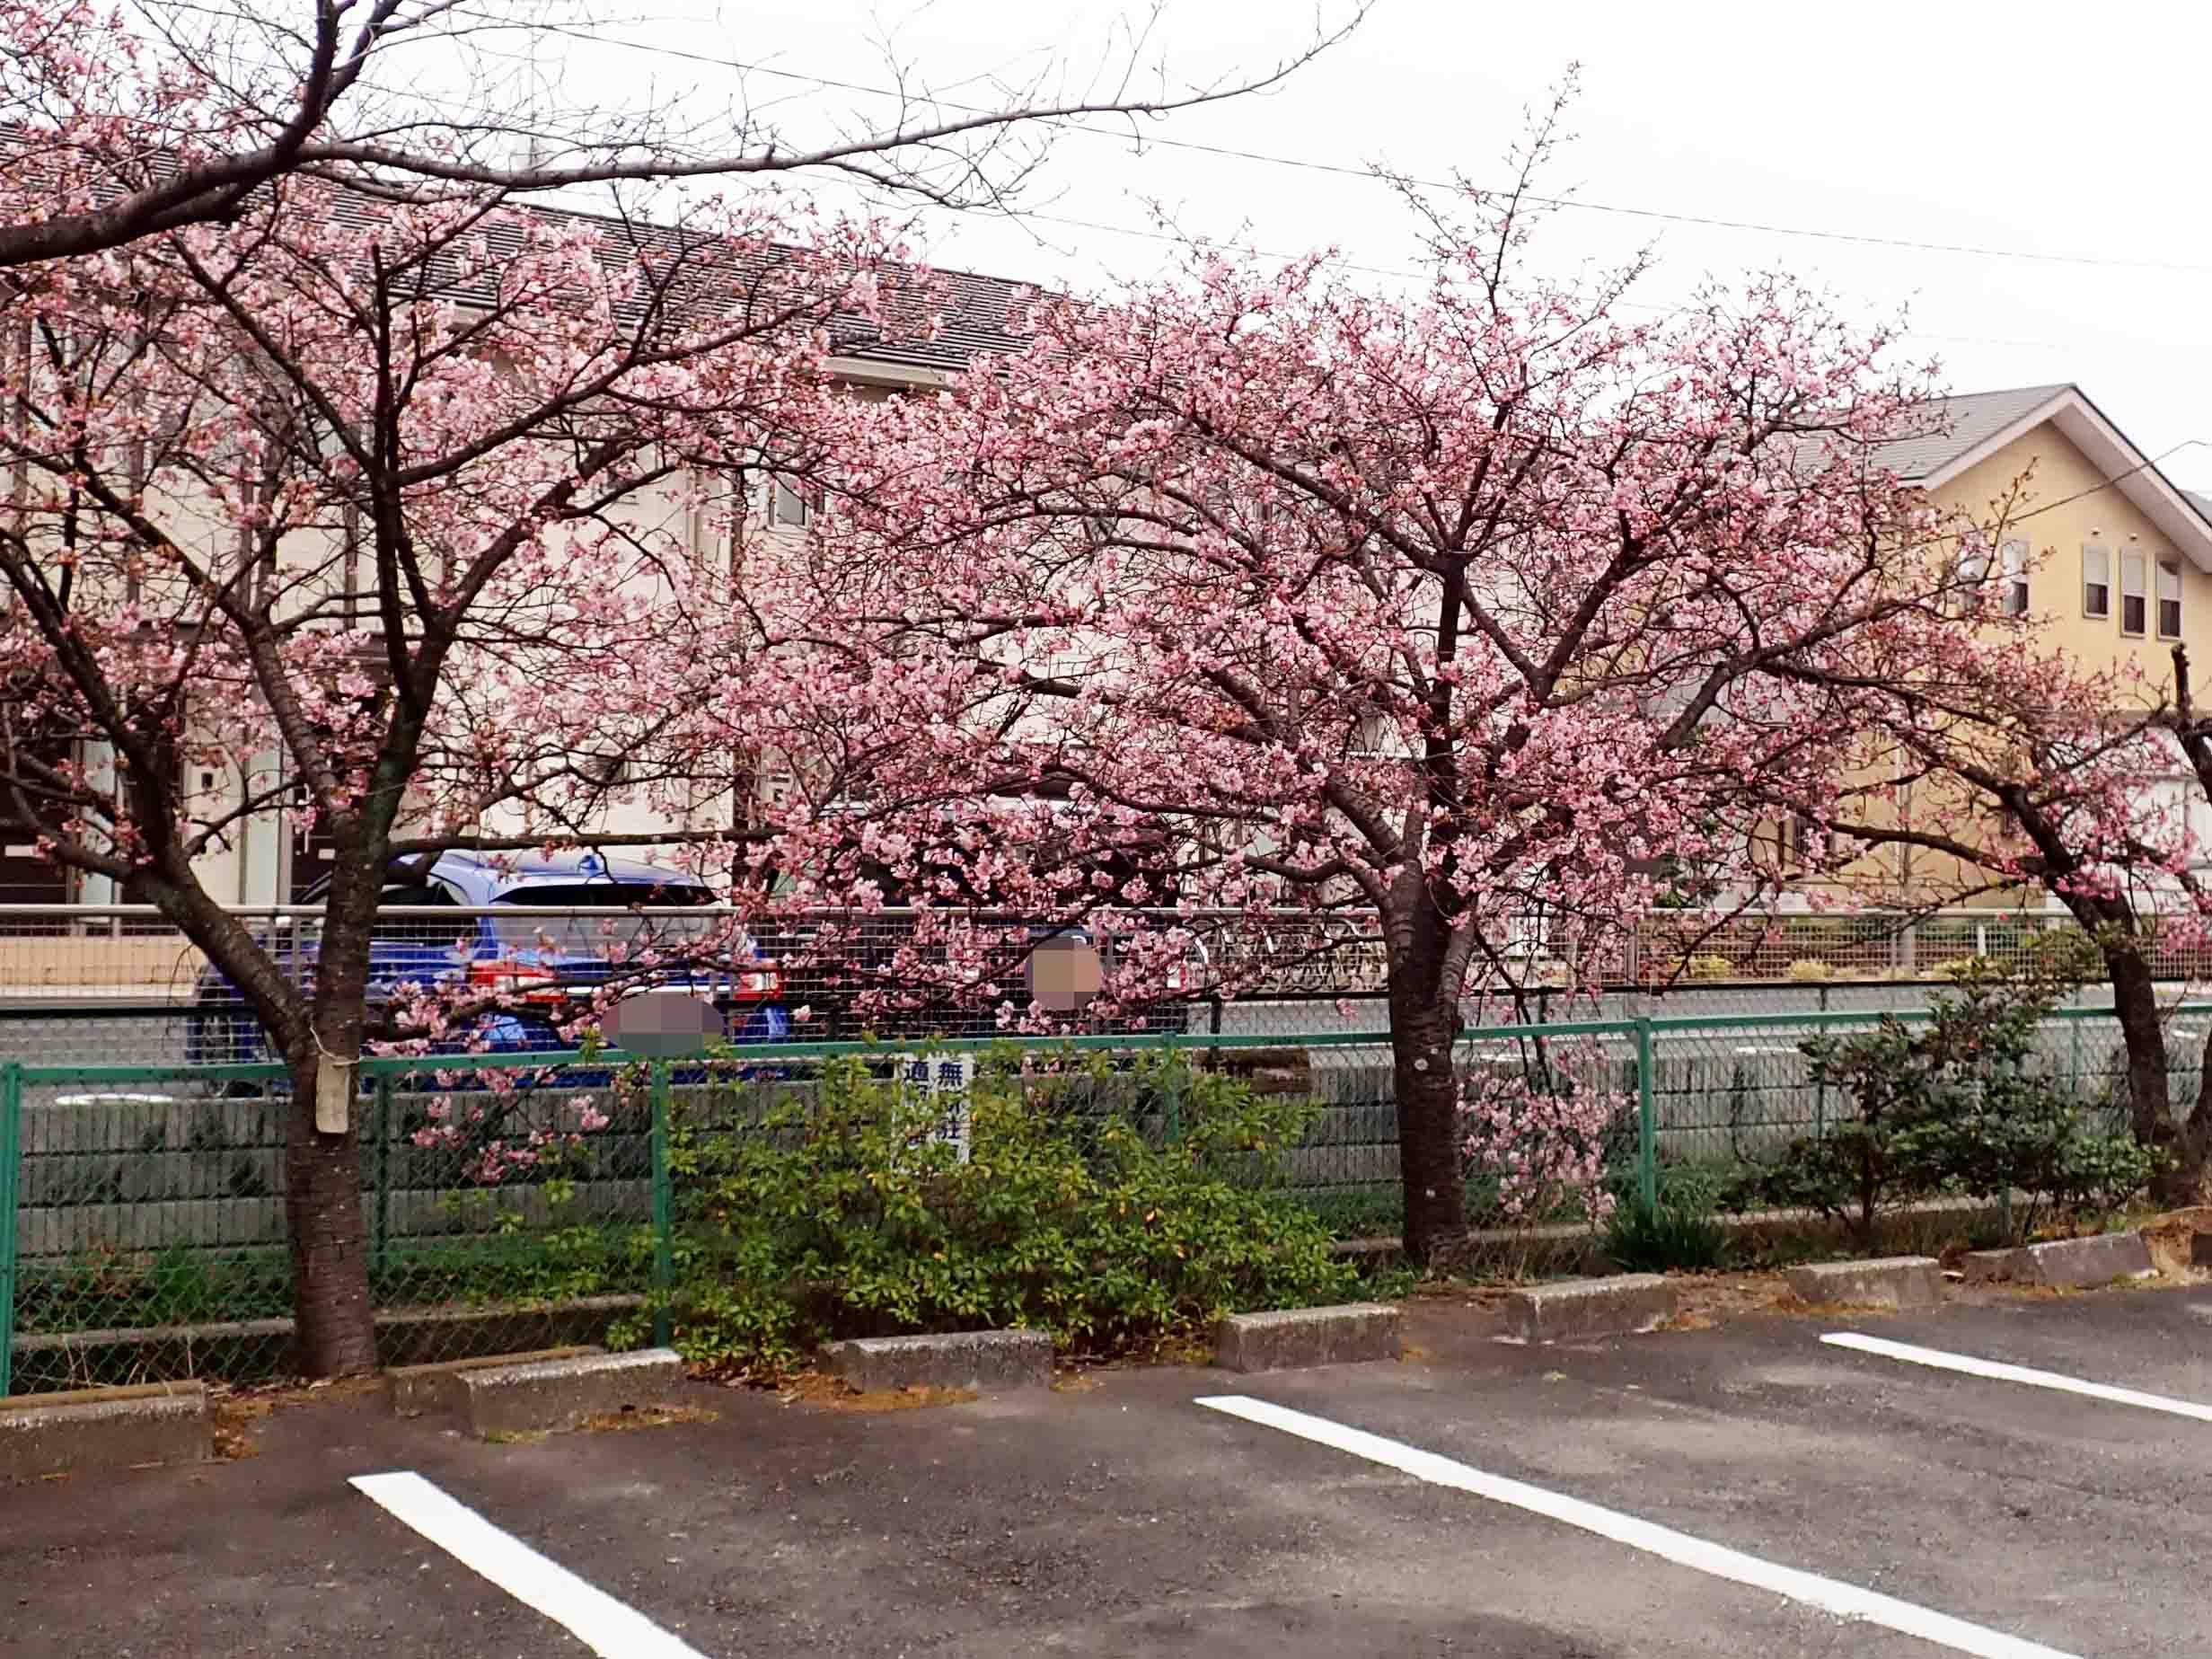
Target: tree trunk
323	1190
331	1301
2189	1180
2150	1101
1431	1163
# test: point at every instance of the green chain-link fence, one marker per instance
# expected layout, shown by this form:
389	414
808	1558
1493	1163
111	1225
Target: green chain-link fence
514	1202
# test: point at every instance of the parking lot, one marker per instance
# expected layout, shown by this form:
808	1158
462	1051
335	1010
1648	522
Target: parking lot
1746	1489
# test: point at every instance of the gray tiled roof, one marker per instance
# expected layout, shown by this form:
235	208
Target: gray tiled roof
1943	428
975	315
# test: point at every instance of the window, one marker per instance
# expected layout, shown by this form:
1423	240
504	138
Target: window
1805	842
2096	579
2169	598
790	504
2015	558
1972	572
2131	595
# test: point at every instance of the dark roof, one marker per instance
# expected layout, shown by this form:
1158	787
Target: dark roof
1941	430
973	315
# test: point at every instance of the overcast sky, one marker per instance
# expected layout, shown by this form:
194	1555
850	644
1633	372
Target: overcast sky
2071	139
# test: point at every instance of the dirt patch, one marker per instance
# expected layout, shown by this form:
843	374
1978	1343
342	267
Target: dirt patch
645	1416
2171	1238
816	1388
233	1408
1704	1300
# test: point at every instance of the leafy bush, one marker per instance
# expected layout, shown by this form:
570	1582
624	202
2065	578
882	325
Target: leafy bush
844	1211
1809	968
1955	1106
1958	969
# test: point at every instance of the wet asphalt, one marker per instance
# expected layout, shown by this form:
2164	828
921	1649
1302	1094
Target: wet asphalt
1119	1518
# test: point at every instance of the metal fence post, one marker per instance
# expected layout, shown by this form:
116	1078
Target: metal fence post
11	1156
1171	1093
1819	1086
380	1240
1647	1125
664	1196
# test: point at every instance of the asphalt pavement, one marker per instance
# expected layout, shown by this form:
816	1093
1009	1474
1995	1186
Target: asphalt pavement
1124	1517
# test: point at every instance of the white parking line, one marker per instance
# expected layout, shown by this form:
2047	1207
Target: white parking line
2003	1372
1845	1601
594	1617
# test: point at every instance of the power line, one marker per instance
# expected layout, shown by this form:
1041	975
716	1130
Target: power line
1336	260
1397	273
1344	170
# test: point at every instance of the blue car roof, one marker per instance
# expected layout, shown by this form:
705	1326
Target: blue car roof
490	875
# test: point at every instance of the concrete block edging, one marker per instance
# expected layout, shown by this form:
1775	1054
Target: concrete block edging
1886	1281
415	1390
1622	1304
103	1428
1294	1338
546	1395
961	1359
2077	1264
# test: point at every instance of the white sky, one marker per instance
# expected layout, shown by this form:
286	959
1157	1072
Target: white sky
2038	128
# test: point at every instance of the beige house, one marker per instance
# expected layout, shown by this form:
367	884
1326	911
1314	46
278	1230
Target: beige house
2104	552
2098	545
266	860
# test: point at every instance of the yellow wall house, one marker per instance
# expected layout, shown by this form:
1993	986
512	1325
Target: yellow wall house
2110	558
2099	543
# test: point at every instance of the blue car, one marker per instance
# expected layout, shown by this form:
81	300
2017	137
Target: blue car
536	968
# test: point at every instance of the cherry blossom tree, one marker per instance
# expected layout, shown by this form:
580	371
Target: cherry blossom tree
1472	609
2019	770
130	117
343	483
394	516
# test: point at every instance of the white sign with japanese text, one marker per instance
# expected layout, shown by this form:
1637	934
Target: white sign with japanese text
941	1081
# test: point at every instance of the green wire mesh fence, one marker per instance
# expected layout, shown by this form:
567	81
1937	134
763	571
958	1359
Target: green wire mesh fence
512	1202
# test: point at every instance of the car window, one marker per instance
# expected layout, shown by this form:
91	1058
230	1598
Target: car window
415	928
596	925
397	895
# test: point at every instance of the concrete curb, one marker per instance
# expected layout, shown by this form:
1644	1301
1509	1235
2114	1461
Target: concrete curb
545	1395
1584	1309
1890	1282
417	1388
103	1428
1294	1338
1385	1245
2077	1263
255	1349
1987	1267
960	1359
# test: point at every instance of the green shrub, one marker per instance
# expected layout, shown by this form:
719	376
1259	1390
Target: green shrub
1955	1105
843	1213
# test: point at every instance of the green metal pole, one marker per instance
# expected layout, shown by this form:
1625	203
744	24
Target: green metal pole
664	1196
1173	1091
380	1242
1647	1125
11	1150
